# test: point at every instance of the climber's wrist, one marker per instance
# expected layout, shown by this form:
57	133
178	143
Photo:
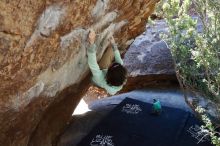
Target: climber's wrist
114	47
91	41
92	48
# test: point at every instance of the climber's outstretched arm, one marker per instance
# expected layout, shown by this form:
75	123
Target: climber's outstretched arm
92	61
91	52
117	54
116	51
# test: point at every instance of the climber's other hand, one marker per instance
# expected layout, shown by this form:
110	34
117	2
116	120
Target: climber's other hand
91	36
112	40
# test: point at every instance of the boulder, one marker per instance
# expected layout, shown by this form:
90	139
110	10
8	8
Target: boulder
43	63
149	61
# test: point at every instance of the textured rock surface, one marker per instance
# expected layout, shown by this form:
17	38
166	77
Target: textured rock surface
149	61
43	59
149	54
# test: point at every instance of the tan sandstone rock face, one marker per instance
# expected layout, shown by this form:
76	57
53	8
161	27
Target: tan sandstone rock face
43	63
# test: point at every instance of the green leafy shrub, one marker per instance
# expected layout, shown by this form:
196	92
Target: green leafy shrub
208	127
196	52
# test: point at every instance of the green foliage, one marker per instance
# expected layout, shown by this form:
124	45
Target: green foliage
159	9
196	53
208	127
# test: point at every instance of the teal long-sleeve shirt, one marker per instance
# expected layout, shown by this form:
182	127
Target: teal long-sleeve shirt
98	74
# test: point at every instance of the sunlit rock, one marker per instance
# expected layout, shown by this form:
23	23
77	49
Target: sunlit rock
43	62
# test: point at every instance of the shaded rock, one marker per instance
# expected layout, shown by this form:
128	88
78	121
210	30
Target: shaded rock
211	108
148	54
149	61
43	61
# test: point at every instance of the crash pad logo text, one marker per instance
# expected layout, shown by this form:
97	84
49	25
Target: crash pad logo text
131	109
199	134
102	140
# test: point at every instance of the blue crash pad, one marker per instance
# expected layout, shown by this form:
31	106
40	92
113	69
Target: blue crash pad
132	124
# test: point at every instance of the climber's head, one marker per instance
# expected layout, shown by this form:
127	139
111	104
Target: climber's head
116	74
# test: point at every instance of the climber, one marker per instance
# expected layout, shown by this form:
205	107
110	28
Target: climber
111	79
156	108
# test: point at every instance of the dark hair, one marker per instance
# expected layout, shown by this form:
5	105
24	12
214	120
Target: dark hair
116	74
